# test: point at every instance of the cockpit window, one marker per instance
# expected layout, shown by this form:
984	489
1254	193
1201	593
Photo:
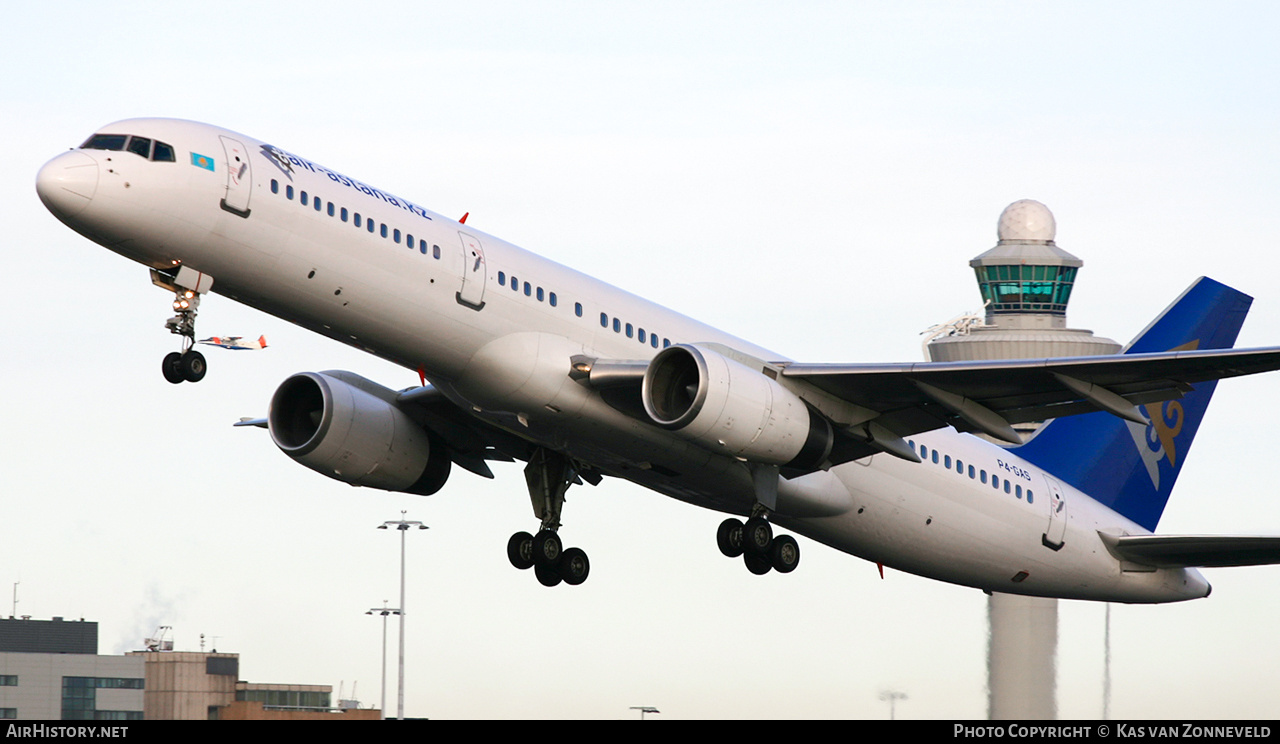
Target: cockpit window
140	146
144	146
105	142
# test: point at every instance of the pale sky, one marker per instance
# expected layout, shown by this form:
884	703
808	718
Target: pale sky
813	177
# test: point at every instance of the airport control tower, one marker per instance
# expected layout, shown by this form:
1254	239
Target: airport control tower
1026	282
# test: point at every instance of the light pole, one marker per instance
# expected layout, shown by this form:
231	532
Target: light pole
404	526
384	610
645	709
892	697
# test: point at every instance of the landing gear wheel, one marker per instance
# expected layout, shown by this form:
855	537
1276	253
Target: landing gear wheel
757	536
520	550
546	550
756	563
574	566
170	367
547	575
785	554
729	537
192	366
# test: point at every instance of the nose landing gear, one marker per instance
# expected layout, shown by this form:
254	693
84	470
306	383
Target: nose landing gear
187	286
187	365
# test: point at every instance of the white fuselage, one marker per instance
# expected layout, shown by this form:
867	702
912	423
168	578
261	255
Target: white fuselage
508	361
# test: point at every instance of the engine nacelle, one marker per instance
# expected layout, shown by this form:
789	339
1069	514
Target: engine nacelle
346	427
732	409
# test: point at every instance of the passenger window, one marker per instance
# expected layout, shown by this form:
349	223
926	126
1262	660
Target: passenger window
356	219
371	225
946	462
540	295
995	481
551	298
640	335
397	235
630	331
970	472
577	309
288	192
959	467
1006	485
318	204
1018	491
435	251
982	476
408	240
303	198
515	284
384	229
331	209
502	278
666	342
344	214
653	341
1031	497
617	326
935	457
528	290
275	186
140	146
604	320
163	153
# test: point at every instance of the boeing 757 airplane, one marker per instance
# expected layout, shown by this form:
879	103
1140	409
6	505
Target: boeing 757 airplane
521	358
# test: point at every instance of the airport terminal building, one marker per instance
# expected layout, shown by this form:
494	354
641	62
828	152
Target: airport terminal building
51	670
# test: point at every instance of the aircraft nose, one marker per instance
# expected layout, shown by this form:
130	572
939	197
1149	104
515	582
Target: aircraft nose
67	183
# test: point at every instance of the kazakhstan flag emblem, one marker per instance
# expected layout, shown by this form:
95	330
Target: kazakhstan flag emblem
202	161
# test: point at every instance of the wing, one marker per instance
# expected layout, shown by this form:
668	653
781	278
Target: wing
989	396
1194	551
470	441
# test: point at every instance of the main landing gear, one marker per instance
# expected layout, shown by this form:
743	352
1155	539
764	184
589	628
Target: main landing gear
760	549
548	475
187	365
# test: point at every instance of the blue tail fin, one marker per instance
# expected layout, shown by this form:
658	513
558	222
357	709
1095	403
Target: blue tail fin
1127	467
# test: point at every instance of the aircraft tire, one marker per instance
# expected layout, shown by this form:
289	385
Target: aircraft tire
729	537
170	367
520	550
193	366
547	549
757	564
547	575
785	555
574	566
757	536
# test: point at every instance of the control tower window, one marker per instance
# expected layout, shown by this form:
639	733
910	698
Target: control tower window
1023	288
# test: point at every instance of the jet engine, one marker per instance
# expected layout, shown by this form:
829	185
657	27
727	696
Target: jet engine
732	409
348	428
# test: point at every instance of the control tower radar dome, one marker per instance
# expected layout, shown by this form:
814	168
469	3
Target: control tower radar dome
1027	219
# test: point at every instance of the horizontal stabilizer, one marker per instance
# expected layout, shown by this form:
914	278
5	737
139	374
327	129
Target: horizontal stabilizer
1194	551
